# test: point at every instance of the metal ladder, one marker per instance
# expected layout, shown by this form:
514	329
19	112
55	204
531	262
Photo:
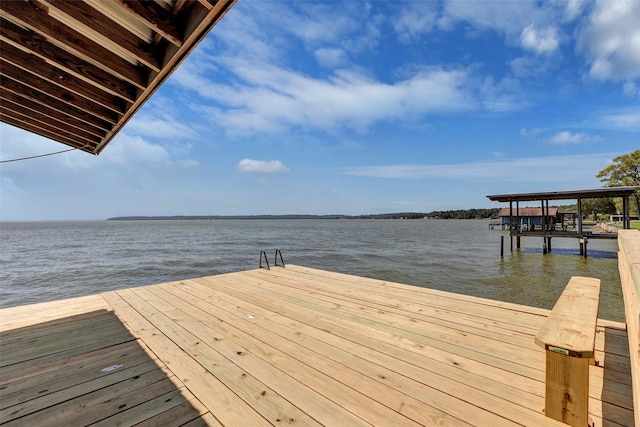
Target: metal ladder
263	256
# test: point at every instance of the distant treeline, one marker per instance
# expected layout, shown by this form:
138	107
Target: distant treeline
451	214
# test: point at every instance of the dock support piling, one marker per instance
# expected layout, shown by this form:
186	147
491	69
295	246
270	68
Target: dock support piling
583	246
501	246
518	242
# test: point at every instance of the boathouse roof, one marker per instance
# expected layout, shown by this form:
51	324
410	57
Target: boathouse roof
77	71
566	195
527	212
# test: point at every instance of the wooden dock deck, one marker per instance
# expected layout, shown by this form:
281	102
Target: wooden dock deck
289	346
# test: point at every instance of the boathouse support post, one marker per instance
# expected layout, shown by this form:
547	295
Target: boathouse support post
543	222
626	220
501	246
579	217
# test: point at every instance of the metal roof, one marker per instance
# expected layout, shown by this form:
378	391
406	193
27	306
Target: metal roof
77	71
566	195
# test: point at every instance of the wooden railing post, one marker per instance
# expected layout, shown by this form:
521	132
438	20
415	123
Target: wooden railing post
568	337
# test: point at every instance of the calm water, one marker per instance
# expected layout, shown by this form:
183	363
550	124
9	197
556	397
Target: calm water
51	260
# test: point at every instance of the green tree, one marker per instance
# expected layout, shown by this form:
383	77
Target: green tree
625	170
603	205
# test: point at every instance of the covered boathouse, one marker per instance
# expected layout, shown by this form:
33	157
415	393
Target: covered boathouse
527	218
550	225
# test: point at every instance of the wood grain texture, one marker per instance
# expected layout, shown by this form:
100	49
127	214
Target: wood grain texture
571	325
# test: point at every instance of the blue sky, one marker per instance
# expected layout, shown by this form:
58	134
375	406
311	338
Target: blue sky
356	108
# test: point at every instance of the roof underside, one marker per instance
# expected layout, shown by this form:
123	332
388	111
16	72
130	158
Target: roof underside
77	71
566	195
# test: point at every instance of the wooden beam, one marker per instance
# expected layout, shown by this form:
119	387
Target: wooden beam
62	127
40	85
29	126
107	28
50	102
38	67
36	18
7	96
32	43
154	17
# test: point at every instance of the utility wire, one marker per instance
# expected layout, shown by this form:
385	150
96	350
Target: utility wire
35	157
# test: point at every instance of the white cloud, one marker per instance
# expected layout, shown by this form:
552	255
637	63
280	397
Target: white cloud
573	8
533	169
505	17
331	57
270	98
529	132
262	166
565	137
623	120
630	89
502	96
162	127
541	41
414	20
611	40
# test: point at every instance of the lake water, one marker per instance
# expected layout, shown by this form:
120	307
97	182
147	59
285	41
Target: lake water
43	261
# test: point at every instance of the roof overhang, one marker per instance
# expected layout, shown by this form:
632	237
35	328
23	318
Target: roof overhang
566	195
77	71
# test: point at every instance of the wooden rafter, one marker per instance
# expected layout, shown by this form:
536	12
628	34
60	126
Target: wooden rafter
77	71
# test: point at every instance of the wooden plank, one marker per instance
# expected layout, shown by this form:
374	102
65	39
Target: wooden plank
114	33
21	316
50	326
180	415
174	406
240	374
155	17
211	281
34	17
34	44
409	290
429	378
85	368
378	372
22	351
521	316
421	331
62	94
417	311
85	401
228	408
571	324
425	414
629	266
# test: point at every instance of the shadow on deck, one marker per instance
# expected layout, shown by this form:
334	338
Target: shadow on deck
86	369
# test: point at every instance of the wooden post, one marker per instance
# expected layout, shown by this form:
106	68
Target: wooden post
518	242
568	337
549	243
567	389
501	246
